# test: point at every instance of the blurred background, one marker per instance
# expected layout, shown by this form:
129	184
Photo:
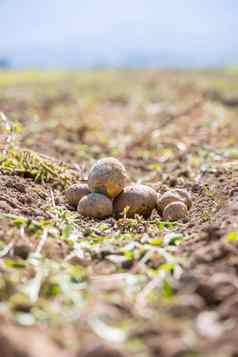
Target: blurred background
105	33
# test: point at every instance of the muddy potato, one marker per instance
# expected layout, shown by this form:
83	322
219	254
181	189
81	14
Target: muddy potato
139	199
95	205
185	195
175	210
75	192
107	176
173	196
167	198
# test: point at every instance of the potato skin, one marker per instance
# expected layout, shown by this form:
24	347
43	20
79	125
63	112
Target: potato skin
167	198
95	205
140	199
175	210
185	195
75	192
174	196
107	176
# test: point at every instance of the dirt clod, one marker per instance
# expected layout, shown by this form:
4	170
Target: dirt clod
22	250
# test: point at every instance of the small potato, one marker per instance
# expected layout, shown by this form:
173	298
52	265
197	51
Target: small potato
95	205
107	176
185	195
75	192
173	196
167	198
139	199
175	210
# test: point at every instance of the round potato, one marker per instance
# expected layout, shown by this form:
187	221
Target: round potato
175	210
95	205
185	195
174	196
135	199
167	198
75	192
107	176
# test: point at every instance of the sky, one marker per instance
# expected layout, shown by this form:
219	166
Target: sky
89	33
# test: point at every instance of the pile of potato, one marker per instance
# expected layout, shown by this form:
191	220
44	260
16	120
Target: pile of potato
109	194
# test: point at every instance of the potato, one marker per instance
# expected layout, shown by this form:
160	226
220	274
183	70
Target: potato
185	195
107	176
95	205
75	192
175	210
167	198
173	196
139	199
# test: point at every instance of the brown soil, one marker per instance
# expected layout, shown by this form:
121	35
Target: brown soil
170	130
